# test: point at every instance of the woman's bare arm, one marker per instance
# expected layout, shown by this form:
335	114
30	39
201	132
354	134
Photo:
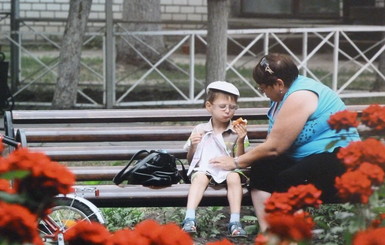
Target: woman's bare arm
289	122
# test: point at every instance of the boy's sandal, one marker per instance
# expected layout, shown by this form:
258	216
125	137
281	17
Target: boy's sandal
235	230
189	225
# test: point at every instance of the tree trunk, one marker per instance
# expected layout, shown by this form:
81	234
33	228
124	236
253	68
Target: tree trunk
70	55
216	55
152	47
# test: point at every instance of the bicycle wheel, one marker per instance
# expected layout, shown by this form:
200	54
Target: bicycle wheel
64	215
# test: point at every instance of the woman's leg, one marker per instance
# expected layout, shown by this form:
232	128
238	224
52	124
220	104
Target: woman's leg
263	182
259	198
318	169
234	192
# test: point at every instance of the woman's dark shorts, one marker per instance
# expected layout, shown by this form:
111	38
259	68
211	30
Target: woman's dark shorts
279	174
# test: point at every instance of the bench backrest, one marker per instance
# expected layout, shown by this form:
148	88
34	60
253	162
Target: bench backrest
116	116
136	129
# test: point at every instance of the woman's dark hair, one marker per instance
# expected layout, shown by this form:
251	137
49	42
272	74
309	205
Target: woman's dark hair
275	66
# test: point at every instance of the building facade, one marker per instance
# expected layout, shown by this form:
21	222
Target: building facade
50	15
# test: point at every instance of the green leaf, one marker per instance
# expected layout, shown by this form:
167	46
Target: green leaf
11	198
249	218
92	182
15	174
252	229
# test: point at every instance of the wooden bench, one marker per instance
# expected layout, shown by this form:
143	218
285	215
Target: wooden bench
110	135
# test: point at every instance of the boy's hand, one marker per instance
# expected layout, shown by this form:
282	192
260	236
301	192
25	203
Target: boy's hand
195	138
241	130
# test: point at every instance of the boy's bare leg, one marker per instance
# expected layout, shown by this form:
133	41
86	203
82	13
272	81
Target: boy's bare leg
198	186
234	195
234	192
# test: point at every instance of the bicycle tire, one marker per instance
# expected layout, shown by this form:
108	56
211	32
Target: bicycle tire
64	215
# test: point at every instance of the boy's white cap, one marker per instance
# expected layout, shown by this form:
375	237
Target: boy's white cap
224	86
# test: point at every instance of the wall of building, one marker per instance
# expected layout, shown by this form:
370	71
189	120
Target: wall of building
185	14
176	14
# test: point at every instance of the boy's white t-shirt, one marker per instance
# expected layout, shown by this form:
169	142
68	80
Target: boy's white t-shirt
212	145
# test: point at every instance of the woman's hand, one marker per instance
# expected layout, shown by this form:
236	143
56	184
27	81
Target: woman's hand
223	162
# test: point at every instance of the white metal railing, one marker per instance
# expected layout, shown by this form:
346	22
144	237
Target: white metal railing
340	56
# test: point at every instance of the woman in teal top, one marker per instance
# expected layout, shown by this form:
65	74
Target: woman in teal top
296	149
316	133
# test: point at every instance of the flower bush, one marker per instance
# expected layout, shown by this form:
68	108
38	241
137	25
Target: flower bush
362	185
36	180
18	225
289	215
288	222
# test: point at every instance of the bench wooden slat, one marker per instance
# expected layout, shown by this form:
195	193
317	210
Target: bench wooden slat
124	115
132	115
84	173
99	134
101	153
140	196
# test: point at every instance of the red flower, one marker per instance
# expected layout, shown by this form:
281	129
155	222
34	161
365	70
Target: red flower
374	117
169	234
172	234
293	227
1	145
370	237
343	120
374	173
5	186
128	237
305	196
18	224
87	233
278	202
297	197
261	239
377	222
369	150
354	186
149	229
50	178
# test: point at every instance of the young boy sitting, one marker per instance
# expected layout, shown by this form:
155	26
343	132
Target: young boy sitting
218	137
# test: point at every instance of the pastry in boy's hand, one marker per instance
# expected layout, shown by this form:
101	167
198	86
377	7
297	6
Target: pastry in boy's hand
240	121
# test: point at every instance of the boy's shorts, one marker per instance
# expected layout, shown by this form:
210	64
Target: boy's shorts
212	182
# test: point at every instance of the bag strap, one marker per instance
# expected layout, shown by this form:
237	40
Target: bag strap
118	177
184	176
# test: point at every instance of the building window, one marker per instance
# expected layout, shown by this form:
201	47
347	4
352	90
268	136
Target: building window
292	8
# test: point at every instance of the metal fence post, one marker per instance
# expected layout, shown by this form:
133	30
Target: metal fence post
15	52
109	58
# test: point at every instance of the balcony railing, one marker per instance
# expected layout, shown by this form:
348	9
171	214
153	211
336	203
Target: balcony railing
343	57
